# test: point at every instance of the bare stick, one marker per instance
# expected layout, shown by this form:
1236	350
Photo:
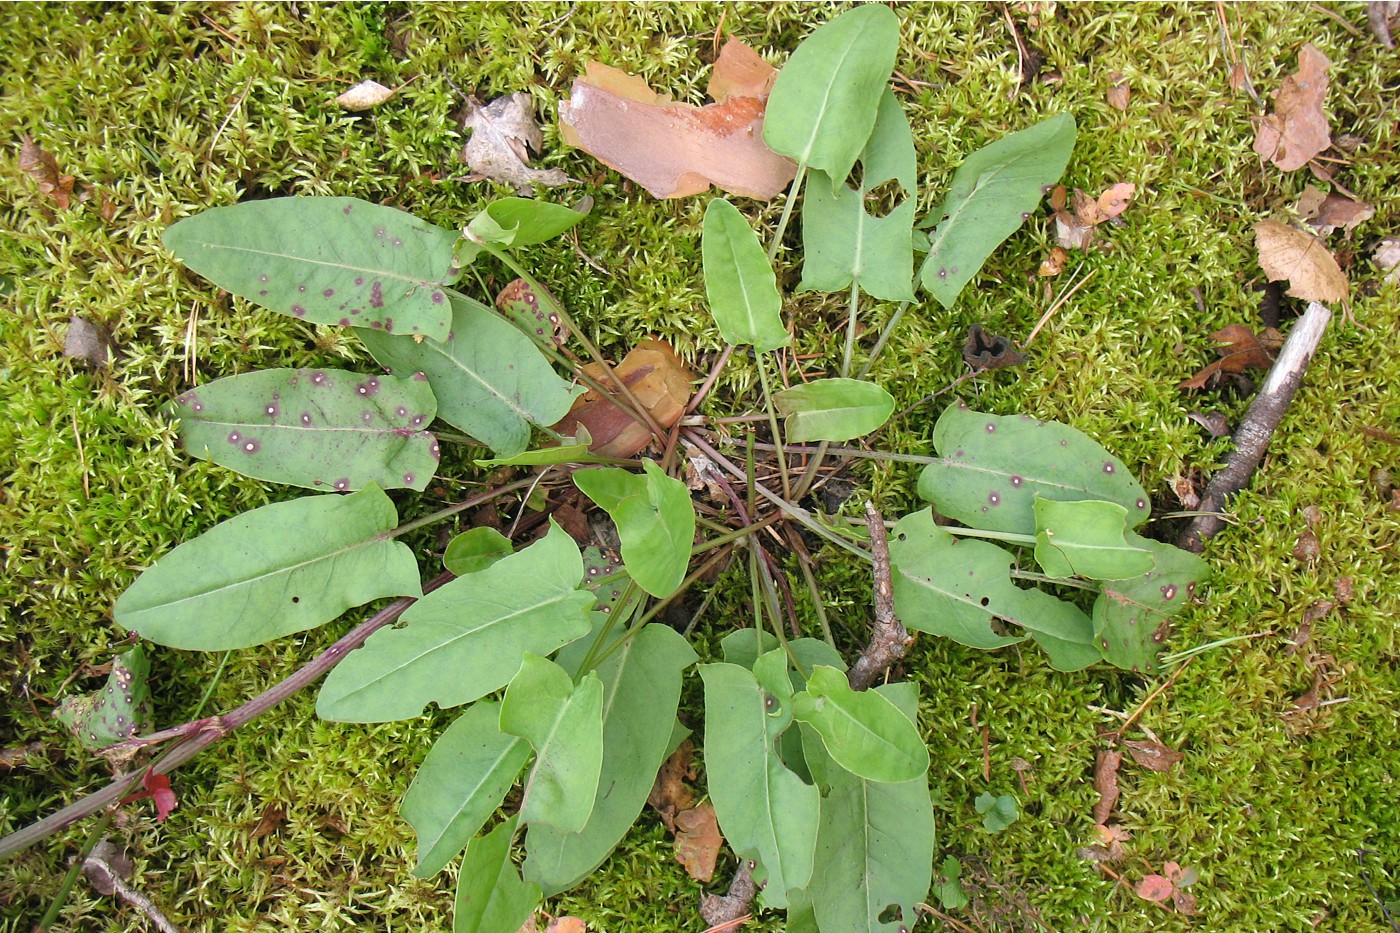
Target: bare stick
889	640
726	909
1255	431
97	867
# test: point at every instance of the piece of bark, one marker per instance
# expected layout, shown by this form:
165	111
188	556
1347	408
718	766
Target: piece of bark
719	909
1256	429
1106	783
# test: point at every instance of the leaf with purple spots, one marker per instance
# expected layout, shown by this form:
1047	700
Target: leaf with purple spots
280	569
491	381
994	466
1131	617
992	194
119	710
324	429
465	639
326	260
961	588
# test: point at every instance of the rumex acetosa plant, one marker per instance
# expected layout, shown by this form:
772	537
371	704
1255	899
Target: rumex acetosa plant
566	685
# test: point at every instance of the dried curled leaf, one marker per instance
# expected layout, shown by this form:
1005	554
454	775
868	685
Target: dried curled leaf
698	841
676	149
504	132
1326	212
1301	258
364	95
1153	755
659	380
1242	349
1297	129
43	168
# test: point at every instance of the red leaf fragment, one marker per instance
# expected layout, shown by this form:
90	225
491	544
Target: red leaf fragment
158	790
1154	888
1297	130
677	149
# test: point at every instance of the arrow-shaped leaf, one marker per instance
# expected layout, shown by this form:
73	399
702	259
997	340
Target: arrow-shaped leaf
460	784
465	639
1089	538
993	467
1132	617
276	570
863	731
491	381
833	409
564	723
823	104
491	898
641	690
326	260
320	428
739	281
118	711
764	809
960	587
842	241
655	519
992	194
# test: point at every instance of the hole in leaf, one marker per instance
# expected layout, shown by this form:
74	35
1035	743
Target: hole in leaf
984	602
884	197
296	599
891	914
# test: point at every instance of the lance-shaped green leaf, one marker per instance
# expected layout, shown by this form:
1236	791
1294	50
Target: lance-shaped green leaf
992	194
842	241
491	381
279	569
464	640
1132	617
564	723
491	898
509	223
577	452
833	409
823	105
460	784
641	691
961	587
1089	538
993	467
765	810
475	549
320	428
118	711
326	260
739	281
874	858
863	731
655	519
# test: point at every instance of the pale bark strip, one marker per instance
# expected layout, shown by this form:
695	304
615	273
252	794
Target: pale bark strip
1251	438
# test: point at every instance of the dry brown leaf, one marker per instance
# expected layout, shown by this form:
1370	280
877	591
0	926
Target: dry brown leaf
1297	129
676	149
1153	755
1054	263
87	341
504	132
698	841
1154	888
1118	92
1074	228
1326	212
1110	847
43	168
983	351
1243	349
566	925
1215	424
364	95
1302	259
273	816
740	72
1387	258
670	794
658	379
1106	783
1115	200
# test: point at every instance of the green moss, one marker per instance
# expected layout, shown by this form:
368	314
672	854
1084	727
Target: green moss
166	111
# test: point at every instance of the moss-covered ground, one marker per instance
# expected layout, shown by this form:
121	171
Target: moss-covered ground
164	110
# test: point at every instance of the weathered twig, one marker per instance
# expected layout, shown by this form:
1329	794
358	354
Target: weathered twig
1255	431
103	876
725	910
888	638
220	726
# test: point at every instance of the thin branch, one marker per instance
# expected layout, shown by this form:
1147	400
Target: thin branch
94	865
1252	437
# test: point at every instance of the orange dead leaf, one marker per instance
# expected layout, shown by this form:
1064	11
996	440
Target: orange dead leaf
1154	888
1054	263
676	149
1297	129
658	379
1301	258
1074	228
1243	349
566	925
43	168
698	841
